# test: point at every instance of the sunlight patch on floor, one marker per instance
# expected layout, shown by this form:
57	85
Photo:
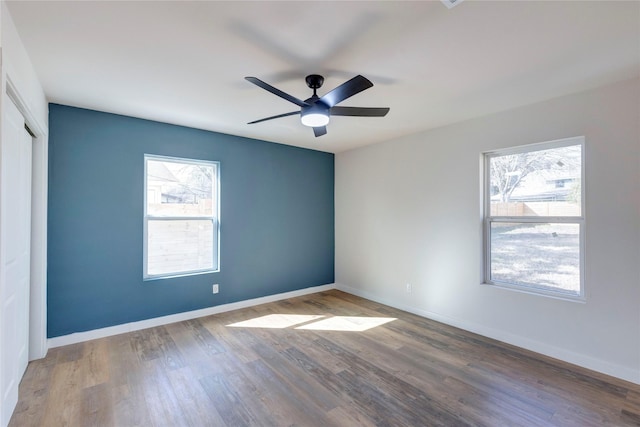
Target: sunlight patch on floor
311	322
347	323
276	321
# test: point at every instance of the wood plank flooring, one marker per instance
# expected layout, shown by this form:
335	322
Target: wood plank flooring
311	361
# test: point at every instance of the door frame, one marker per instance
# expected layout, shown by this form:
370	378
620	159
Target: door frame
39	188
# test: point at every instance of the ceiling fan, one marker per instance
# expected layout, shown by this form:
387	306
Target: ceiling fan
315	111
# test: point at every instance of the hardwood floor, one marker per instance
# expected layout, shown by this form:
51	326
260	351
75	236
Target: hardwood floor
310	361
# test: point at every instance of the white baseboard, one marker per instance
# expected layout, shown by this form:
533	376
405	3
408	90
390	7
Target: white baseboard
178	317
581	360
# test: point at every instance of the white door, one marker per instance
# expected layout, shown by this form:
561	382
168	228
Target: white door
15	254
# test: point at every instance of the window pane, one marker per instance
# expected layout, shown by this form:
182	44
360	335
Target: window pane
179	246
539	255
180	189
537	183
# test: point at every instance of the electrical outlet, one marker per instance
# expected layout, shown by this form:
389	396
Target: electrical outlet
216	288
409	289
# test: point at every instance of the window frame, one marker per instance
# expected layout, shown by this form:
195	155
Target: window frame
215	218
488	219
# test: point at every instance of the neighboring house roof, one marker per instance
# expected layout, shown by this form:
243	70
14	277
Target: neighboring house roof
159	172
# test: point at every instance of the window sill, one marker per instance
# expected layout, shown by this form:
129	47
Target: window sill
538	292
178	275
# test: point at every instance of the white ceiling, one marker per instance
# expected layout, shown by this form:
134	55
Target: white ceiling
185	62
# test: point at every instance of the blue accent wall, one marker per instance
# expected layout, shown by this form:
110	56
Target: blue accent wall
276	219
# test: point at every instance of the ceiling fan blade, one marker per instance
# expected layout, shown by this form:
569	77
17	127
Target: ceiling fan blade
346	90
274	117
319	131
359	111
266	86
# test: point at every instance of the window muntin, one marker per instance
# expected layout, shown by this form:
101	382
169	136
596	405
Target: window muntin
534	226
181	217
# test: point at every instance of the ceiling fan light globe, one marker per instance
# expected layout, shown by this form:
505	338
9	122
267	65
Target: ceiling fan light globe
314	119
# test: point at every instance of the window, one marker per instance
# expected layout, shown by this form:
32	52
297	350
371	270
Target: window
181	212
534	218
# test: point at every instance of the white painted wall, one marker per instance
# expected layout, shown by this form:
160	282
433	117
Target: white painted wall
17	65
409	211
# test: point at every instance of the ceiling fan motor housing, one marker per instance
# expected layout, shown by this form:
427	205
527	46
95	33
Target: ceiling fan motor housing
316	114
314	81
